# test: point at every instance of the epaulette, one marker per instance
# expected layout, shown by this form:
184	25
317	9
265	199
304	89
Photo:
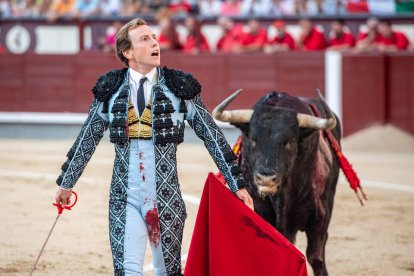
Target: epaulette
183	85
107	85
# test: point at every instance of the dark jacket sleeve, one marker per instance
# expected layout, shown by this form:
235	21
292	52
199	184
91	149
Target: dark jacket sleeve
207	130
81	152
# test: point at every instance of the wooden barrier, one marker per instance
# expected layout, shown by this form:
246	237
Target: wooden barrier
62	83
376	88
363	91
400	90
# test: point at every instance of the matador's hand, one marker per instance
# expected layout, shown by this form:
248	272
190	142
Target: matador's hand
63	197
245	197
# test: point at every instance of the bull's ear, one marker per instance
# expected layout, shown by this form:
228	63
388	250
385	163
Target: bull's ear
245	128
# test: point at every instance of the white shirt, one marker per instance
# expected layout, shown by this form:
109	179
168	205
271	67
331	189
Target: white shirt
210	8
134	78
109	7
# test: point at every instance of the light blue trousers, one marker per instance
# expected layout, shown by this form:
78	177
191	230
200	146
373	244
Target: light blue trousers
142	222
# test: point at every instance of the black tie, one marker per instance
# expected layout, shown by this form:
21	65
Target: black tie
141	97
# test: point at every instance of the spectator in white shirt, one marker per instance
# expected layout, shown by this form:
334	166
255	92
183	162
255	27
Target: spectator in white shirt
255	7
209	7
281	7
109	7
5	8
86	8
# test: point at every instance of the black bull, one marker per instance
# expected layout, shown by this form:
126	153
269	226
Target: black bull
291	168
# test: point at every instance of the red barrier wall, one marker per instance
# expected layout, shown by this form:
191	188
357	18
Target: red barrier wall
257	74
400	96
363	91
46	83
377	88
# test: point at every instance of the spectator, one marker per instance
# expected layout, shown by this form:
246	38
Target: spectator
310	38
209	7
282	42
168	38
131	7
107	43
44	6
357	6
155	5
109	7
253	38
5	8
230	34
86	8
195	41
61	8
282	7
231	8
367	40
29	8
17	8
331	7
180	6
390	40
254	7
339	37
383	7
312	7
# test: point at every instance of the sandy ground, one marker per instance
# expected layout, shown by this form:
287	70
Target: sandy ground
377	239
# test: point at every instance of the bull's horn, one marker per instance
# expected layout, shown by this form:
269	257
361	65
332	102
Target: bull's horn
232	116
309	121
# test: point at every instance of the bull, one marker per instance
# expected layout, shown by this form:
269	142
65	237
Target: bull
291	168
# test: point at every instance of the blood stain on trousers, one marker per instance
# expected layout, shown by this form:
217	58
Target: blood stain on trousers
152	220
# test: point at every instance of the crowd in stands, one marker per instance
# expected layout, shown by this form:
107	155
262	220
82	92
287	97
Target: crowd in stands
253	37
83	8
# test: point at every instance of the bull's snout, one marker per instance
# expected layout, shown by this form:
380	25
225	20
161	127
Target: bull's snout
266	179
267	184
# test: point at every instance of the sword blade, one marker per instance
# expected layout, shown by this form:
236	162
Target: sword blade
44	244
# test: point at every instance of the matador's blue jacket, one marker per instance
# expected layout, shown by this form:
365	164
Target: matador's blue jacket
175	99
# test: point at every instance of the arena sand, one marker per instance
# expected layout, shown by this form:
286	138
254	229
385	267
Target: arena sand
377	239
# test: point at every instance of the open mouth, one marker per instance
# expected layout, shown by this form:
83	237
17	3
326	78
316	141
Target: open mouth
155	53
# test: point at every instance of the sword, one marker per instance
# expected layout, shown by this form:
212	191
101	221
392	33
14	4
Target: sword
60	210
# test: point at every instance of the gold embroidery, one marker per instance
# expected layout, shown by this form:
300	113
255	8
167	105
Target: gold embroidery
140	128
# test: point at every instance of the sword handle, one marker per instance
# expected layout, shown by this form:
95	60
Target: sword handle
60	208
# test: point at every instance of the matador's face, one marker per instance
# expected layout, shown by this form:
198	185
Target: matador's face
144	54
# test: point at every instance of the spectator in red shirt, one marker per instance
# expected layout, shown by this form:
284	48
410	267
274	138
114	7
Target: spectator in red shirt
168	38
231	34
367	40
310	38
283	41
253	38
195	41
230	8
107	43
390	41
339	37
180	6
